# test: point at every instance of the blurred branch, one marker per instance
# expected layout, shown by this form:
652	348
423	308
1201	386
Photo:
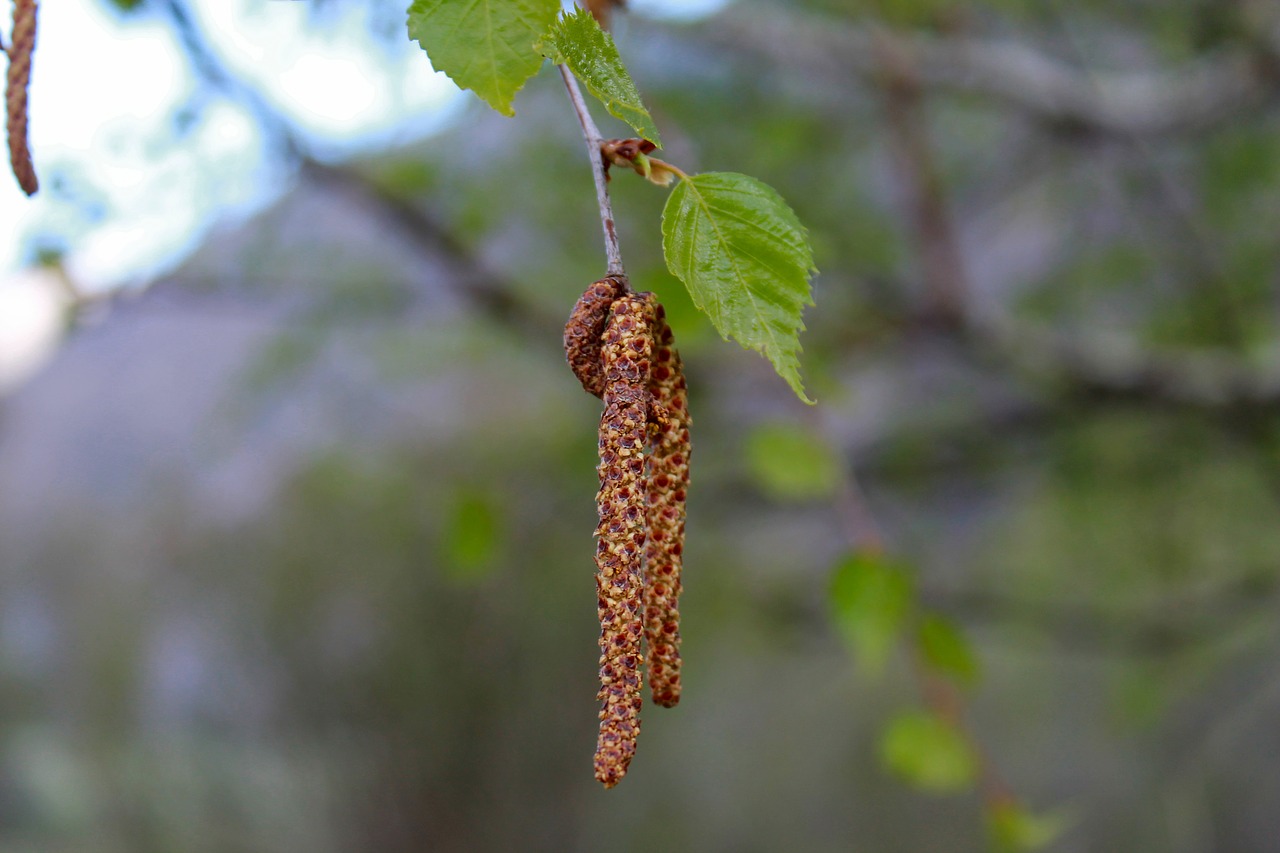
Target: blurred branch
1199	95
1112	366
209	67
942	266
942	697
1103	366
488	292
491	294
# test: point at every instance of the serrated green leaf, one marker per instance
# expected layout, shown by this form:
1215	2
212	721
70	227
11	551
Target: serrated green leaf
945	648
1015	830
746	260
928	753
577	41
870	600
790	463
483	45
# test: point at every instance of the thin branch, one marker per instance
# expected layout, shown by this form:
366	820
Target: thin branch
866	537
1199	95
591	133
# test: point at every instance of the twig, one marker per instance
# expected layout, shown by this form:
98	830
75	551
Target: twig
591	133
939	695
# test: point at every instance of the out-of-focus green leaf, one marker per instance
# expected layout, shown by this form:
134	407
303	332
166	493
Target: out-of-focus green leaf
577	41
870	600
928	753
486	45
790	463
1015	830
746	260
472	535
945	648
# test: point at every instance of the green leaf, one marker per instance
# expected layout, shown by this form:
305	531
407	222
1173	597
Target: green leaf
577	41
483	45
928	753
746	260
1015	830
945	648
472	535
870	600
791	463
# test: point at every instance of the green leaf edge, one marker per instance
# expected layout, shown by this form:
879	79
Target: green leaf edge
505	108
621	111
793	380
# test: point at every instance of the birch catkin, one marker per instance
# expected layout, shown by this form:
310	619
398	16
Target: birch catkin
22	43
626	351
584	332
667	481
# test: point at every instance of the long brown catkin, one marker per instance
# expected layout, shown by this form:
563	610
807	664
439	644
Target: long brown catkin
17	80
626	352
667	480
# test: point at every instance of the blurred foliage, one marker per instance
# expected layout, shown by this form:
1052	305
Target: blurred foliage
337	593
789	462
928	752
871	600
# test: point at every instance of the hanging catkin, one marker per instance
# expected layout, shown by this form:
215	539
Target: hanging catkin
625	356
22	43
667	479
584	332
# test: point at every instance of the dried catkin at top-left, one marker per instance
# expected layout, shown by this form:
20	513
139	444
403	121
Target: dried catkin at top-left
626	352
22	44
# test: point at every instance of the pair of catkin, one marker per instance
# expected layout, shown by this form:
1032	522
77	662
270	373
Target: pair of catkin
619	345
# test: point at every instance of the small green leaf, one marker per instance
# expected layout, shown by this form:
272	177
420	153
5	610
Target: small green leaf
928	753
790	463
870	600
746	260
946	649
577	41
1015	830
483	45
472	535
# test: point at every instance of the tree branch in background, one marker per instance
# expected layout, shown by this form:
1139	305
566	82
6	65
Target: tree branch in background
492	295
943	699
942	266
1197	96
591	133
1118	367
488	292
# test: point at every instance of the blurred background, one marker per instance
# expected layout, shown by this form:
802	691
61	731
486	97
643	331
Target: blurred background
296	491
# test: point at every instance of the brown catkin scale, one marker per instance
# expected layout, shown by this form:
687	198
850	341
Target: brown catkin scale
21	45
625	356
667	483
584	332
